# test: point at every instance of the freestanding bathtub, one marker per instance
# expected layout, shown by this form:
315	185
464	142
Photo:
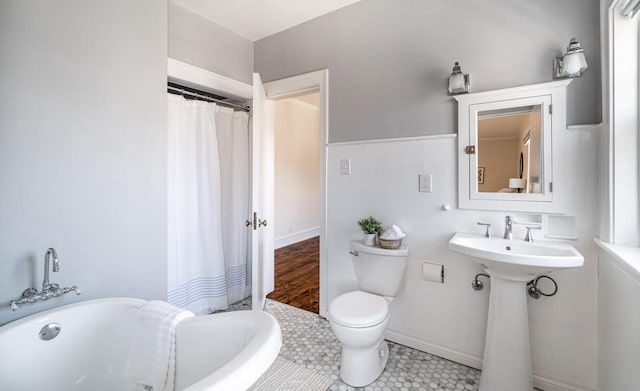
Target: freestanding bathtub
226	351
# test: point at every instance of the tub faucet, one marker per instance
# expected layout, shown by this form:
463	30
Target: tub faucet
508	228
49	290
46	285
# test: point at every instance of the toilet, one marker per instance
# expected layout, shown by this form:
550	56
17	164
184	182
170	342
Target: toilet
359	318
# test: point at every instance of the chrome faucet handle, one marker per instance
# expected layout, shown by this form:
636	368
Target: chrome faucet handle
529	236
32	295
487	233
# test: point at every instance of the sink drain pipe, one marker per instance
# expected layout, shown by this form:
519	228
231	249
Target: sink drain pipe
536	293
532	286
478	285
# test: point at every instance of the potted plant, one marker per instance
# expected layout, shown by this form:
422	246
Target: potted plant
371	227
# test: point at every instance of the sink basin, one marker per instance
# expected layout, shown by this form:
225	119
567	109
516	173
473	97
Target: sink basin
517	257
511	264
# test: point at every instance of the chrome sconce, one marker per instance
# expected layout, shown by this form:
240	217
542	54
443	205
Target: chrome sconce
631	9
458	81
572	63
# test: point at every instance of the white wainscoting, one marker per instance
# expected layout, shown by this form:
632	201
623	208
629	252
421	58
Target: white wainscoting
449	319
618	320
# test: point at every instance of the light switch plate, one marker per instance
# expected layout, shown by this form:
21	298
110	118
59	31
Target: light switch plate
424	183
345	166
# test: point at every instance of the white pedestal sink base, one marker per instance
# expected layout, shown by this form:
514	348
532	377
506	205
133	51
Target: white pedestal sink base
507	351
511	263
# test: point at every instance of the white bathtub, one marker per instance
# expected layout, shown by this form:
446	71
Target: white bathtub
226	351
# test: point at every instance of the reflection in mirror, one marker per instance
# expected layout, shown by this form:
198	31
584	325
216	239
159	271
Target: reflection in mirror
510	150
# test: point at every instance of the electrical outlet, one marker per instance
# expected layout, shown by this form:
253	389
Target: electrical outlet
425	183
345	166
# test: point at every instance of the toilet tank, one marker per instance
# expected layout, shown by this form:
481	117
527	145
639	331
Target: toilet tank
379	270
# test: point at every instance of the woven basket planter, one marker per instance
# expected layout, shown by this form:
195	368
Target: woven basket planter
390	244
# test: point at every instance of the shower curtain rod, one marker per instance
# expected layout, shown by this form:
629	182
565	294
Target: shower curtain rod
209	98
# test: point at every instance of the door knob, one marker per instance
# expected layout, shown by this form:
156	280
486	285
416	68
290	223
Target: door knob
262	223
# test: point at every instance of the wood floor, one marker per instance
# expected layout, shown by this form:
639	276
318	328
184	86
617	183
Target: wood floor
297	275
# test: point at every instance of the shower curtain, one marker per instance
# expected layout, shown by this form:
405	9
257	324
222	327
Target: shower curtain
208	201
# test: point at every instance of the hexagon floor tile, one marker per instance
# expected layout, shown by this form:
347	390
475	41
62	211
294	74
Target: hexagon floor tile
307	340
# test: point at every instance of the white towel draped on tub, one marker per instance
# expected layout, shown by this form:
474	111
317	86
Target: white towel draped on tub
152	357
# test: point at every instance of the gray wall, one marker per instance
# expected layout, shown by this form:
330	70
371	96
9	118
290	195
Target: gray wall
200	42
83	147
389	61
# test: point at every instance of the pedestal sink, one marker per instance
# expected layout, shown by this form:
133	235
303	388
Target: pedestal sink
511	264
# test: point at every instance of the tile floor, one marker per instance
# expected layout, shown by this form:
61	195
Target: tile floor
307	339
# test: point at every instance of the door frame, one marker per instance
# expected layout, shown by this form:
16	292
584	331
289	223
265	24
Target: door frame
289	87
193	76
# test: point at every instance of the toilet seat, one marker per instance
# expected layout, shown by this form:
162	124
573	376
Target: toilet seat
358	309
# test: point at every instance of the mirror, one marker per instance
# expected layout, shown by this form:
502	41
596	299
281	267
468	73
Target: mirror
508	143
510	150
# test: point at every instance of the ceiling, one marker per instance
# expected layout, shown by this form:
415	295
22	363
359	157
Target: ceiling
312	99
502	127
256	19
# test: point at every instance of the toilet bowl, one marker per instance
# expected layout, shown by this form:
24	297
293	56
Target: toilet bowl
359	318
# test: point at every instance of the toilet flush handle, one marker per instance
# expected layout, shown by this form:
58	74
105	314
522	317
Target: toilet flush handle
353	252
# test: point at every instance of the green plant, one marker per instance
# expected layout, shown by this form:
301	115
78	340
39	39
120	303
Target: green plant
371	225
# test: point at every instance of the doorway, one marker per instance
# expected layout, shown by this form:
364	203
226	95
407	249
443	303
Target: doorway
297	201
263	178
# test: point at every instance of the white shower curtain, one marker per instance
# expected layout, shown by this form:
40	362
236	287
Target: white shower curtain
207	242
233	139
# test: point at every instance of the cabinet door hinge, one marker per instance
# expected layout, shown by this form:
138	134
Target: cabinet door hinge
550	109
550	187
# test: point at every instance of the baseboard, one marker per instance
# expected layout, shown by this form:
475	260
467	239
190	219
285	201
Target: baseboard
548	384
449	354
296	237
540	382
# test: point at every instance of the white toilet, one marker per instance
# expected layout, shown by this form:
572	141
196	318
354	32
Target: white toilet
359	318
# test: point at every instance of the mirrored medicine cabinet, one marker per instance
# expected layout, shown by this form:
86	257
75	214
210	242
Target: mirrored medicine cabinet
510	147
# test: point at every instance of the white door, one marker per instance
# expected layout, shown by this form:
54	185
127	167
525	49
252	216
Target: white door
262	196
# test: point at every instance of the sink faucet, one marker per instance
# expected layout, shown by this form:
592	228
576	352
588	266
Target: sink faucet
56	267
508	228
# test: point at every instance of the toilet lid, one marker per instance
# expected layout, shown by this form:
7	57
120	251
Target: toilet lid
358	309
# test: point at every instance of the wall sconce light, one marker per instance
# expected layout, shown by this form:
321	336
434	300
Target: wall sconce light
631	9
572	64
458	81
